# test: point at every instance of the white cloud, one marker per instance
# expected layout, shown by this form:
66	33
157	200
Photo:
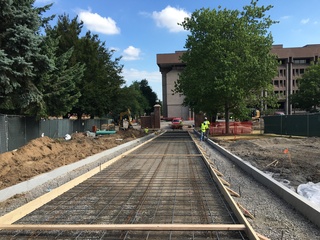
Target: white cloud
133	74
96	23
131	53
170	17
285	17
305	21
154	79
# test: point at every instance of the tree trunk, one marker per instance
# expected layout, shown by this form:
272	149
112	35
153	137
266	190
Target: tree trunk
79	115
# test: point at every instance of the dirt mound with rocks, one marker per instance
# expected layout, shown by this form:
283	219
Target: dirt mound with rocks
45	154
295	160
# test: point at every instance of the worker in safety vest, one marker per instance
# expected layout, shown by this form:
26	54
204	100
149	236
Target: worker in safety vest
202	130
206	121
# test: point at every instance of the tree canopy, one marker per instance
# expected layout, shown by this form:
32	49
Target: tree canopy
60	70
131	98
21	56
149	94
308	97
138	97
102	78
59	85
228	60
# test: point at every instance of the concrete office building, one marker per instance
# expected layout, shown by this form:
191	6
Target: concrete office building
292	64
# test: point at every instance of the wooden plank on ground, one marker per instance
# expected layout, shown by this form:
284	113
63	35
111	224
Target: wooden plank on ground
127	227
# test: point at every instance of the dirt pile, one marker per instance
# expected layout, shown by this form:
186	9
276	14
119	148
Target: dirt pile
45	154
293	160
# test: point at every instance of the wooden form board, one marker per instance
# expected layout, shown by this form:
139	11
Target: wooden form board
237	211
22	211
169	155
128	227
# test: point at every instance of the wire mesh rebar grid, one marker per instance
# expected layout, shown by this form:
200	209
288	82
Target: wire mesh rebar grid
163	182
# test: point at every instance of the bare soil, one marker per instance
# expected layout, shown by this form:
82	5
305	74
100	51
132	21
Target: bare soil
290	160
45	154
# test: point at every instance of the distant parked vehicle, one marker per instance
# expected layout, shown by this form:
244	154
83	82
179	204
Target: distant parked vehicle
176	123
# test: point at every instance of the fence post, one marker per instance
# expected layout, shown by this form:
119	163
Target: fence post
308	125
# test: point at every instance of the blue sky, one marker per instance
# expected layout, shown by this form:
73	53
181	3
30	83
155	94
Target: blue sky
140	29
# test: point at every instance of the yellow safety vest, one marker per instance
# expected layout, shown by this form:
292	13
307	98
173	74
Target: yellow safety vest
207	123
203	127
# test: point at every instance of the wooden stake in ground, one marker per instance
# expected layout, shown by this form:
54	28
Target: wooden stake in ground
275	162
245	211
286	151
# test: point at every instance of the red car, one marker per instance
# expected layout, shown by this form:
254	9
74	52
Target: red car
176	123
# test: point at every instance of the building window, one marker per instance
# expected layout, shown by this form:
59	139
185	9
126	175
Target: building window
301	71
295	72
299	61
281	73
276	83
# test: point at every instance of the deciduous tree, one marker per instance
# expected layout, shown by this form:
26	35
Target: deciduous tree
149	94
131	98
308	97
228	60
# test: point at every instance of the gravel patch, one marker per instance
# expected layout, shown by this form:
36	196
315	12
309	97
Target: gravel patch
274	218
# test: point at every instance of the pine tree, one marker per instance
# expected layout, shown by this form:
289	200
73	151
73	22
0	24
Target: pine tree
59	86
100	85
21	59
102	78
150	95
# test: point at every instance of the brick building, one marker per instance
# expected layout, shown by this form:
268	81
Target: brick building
292	64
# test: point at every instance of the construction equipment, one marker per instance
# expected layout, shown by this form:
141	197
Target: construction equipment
125	122
255	115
